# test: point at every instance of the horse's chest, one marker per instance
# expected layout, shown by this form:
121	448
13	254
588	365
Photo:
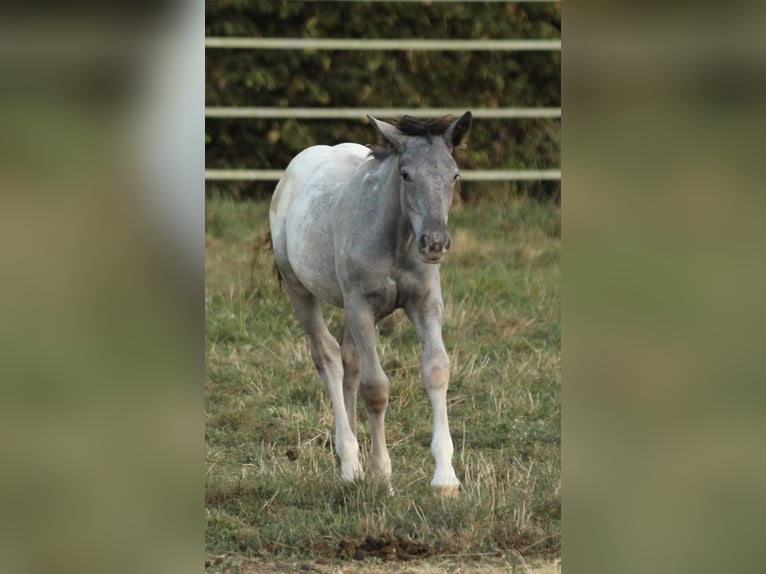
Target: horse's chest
382	295
379	280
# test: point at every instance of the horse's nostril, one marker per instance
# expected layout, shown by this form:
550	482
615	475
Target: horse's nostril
436	243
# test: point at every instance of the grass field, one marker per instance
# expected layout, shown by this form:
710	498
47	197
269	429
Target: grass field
272	486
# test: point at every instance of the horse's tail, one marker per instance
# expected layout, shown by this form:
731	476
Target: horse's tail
266	243
270	247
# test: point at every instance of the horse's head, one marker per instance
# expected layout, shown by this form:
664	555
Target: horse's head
427	174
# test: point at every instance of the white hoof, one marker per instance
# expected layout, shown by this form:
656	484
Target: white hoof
347	450
445	482
446	490
350	474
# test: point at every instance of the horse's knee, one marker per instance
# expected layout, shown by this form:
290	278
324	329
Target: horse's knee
350	358
436	369
375	392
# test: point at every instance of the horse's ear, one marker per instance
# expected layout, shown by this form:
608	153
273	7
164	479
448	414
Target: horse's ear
388	132
458	130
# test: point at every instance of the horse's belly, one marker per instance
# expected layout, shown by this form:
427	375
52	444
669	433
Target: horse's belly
320	281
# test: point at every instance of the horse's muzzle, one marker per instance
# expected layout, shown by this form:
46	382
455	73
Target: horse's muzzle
434	246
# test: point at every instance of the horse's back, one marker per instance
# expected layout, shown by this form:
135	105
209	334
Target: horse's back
308	173
303	212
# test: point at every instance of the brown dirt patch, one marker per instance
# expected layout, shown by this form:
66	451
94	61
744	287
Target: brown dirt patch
478	564
384	547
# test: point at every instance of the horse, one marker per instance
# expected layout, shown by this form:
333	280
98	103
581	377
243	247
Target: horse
365	229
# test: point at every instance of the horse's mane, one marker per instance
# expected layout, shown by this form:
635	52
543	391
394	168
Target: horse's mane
409	126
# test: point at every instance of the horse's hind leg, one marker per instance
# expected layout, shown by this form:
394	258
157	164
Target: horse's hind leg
327	357
350	356
374	383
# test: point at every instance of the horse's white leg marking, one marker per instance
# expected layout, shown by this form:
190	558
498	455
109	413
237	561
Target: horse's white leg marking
346	444
327	357
436	371
374	383
350	357
436	374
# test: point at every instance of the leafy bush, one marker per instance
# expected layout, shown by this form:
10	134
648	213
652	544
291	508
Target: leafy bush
366	79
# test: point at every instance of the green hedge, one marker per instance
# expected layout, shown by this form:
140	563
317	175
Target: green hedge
321	78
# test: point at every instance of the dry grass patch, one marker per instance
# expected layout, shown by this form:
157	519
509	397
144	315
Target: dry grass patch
272	484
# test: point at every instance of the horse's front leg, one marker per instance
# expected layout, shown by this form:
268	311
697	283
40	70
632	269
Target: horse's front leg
374	385
426	316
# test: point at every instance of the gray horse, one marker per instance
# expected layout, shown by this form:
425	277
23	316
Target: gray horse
366	230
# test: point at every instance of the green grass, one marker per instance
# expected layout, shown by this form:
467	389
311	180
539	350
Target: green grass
264	398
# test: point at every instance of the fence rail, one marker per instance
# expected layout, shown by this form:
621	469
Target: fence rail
381	44
361	113
357	113
467	175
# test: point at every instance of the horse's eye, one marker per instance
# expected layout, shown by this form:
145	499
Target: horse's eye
405	175
457	175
